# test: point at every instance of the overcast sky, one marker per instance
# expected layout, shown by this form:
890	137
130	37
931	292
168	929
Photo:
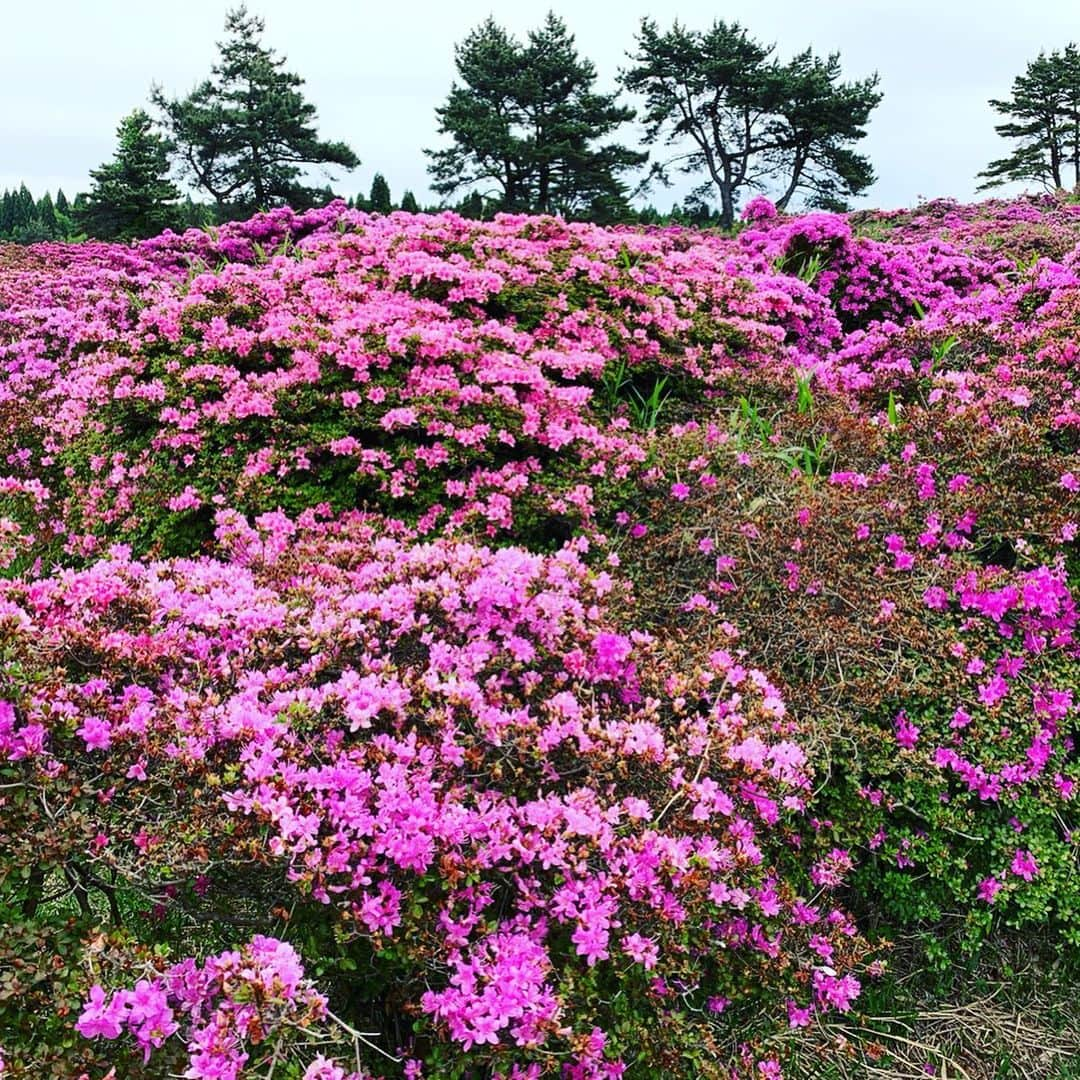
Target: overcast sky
70	69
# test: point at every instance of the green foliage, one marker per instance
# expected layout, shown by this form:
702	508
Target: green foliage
132	195
805	264
525	122
621	388
244	135
804	394
26	221
748	120
1044	123
379	200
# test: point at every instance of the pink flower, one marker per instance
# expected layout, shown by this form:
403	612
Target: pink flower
641	949
759	208
96	733
102	1014
799	1017
1024	864
907	734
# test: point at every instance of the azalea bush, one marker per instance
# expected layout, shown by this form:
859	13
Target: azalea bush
520	649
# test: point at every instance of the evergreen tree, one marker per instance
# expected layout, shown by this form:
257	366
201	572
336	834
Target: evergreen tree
245	134
7	214
46	214
379	201
525	123
816	117
482	118
24	208
565	118
748	122
472	206
132	195
409	203
65	225
1044	121
195	215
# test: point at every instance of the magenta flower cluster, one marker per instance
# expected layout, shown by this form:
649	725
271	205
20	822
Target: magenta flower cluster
322	607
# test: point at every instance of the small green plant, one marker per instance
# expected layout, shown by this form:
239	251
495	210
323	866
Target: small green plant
646	410
804	394
940	350
808	459
619	389
806	267
811	268
759	425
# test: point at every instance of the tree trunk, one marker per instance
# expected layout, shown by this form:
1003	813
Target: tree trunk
727	206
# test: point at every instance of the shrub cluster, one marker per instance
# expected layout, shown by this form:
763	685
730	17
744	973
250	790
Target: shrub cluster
519	649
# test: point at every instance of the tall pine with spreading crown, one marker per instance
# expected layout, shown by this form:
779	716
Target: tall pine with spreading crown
246	135
1044	122
731	111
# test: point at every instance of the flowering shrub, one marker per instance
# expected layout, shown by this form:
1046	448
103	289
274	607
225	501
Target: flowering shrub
524	649
450	747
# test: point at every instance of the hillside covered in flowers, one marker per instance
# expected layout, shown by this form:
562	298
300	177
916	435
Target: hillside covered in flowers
444	649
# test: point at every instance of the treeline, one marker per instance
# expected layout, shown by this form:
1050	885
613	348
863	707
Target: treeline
25	220
526	128
692	211
28	220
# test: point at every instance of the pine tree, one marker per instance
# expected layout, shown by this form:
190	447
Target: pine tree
24	208
62	205
472	206
1044	121
7	214
409	203
379	201
46	214
525	122
482	117
748	122
564	118
132	195
245	133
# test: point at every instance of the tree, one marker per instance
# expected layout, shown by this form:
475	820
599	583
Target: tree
379	199
245	134
132	195
816	117
525	122
746	120
7	214
24	208
409	203
472	206
480	117
1044	113
46	214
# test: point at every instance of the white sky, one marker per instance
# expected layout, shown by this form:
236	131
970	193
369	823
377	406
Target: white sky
70	69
